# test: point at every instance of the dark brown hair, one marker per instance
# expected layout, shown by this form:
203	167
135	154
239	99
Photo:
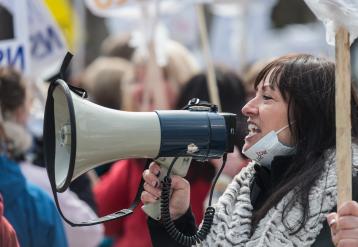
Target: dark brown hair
12	96
307	84
12	90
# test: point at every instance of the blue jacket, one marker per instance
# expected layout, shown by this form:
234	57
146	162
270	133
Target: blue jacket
31	211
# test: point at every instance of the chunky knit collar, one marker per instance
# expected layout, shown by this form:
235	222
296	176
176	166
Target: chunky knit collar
232	221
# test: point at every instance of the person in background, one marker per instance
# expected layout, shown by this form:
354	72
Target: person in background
283	197
105	80
117	188
72	206
118	46
232	98
176	66
8	236
30	210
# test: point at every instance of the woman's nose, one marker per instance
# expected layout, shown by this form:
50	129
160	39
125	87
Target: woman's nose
250	109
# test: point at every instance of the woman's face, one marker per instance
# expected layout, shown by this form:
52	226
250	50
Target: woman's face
136	93
267	111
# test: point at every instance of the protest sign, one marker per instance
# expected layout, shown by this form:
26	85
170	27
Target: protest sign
30	39
47	43
14	48
131	8
336	13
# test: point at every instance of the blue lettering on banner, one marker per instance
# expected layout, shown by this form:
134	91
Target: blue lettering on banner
13	57
42	44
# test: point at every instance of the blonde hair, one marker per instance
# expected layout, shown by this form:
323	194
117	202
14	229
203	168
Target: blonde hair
105	80
117	46
180	64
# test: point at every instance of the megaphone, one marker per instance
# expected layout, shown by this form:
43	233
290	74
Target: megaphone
80	135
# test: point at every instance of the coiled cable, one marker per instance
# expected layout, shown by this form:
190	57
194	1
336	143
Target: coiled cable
169	224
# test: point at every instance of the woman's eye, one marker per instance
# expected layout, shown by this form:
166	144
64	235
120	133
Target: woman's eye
266	97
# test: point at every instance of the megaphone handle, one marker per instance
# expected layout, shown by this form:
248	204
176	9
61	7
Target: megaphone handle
180	168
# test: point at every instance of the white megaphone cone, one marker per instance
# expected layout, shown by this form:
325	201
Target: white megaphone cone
88	135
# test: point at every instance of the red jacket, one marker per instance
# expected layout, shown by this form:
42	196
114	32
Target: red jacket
7	233
117	189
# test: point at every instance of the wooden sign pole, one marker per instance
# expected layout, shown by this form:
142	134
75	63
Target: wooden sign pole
210	73
154	88
343	117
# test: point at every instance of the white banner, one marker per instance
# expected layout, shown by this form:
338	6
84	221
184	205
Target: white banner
130	8
30	39
335	13
47	43
14	35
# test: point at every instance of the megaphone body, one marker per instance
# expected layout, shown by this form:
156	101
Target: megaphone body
80	135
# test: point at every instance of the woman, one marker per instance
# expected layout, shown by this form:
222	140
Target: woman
157	86
15	98
283	196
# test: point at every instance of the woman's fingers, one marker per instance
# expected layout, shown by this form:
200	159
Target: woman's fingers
152	190
348	243
179	183
349	208
344	225
147	198
347	222
344	236
180	199
347	234
150	175
332	222
154	168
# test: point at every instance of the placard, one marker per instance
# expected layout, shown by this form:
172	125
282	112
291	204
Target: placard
14	50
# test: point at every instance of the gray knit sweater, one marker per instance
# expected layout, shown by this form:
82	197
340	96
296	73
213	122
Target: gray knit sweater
232	221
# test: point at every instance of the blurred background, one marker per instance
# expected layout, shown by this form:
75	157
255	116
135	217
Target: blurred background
138	55
240	32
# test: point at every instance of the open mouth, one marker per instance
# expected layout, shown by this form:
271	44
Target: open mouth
253	130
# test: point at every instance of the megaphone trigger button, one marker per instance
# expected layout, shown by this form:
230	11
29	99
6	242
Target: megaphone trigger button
192	148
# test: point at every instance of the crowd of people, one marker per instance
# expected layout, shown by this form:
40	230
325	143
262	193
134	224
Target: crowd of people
279	186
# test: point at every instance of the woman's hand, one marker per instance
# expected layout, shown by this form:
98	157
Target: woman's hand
344	225
180	197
